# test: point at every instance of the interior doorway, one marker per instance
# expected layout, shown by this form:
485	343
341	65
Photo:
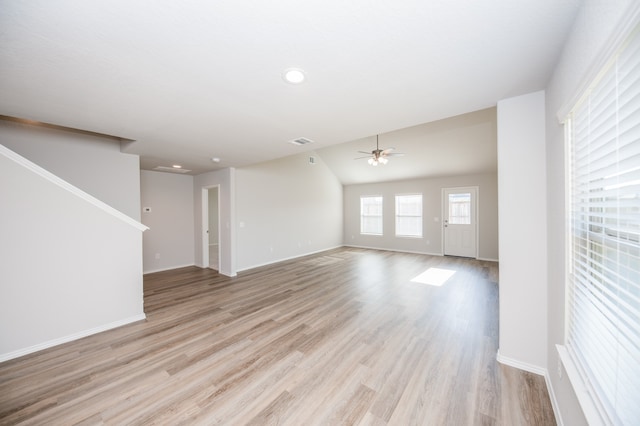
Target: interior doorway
211	224
460	218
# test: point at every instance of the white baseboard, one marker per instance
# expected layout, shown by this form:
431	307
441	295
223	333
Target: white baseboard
554	401
415	252
535	369
288	258
71	337
151	271
394	250
227	273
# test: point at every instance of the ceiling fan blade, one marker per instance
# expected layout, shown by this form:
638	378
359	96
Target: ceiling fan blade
379	153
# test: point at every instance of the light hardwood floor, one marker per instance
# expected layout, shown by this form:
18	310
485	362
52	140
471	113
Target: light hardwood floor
341	337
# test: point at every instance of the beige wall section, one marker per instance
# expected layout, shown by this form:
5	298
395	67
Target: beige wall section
286	208
454	146
169	241
431	190
91	163
589	38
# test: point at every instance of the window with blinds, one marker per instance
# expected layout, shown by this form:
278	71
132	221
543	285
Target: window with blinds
409	215
371	215
603	297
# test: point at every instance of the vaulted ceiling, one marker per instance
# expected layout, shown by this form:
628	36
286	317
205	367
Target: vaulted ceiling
190	80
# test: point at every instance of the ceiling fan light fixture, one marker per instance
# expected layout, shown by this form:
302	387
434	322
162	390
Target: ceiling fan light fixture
379	156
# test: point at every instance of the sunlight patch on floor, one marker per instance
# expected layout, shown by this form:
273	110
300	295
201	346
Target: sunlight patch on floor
434	276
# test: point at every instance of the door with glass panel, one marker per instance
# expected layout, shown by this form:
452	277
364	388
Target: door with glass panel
459	222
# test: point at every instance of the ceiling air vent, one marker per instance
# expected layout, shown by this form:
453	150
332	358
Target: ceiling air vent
301	141
170	169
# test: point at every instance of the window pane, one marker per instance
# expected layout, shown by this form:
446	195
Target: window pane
409	215
604	261
371	215
460	209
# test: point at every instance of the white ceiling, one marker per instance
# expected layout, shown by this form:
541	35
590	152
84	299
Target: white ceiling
193	79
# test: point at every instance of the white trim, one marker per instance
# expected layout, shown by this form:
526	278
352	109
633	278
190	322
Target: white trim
289	258
588	405
169	268
204	235
231	250
206	232
487	259
554	400
539	371
71	337
70	188
512	362
630	19
395	250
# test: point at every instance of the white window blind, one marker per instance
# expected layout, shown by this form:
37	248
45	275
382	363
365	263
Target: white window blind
603	334
371	215
409	215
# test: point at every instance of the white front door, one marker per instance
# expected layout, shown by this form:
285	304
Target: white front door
459	221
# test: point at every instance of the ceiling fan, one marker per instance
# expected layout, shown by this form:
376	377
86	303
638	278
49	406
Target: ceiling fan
379	156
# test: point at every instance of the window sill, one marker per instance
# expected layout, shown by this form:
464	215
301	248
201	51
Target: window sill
587	403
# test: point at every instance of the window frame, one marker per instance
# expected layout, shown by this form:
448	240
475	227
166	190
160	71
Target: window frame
398	216
363	216
588	241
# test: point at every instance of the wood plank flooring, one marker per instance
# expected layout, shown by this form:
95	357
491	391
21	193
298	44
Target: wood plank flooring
343	337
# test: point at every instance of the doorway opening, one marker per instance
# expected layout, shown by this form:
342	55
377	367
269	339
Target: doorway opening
211	248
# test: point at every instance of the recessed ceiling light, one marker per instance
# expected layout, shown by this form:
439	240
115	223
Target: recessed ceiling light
293	75
177	166
215	159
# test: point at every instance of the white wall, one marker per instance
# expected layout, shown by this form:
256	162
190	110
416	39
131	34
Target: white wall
225	179
431	190
68	268
588	43
286	208
91	163
168	243
523	244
